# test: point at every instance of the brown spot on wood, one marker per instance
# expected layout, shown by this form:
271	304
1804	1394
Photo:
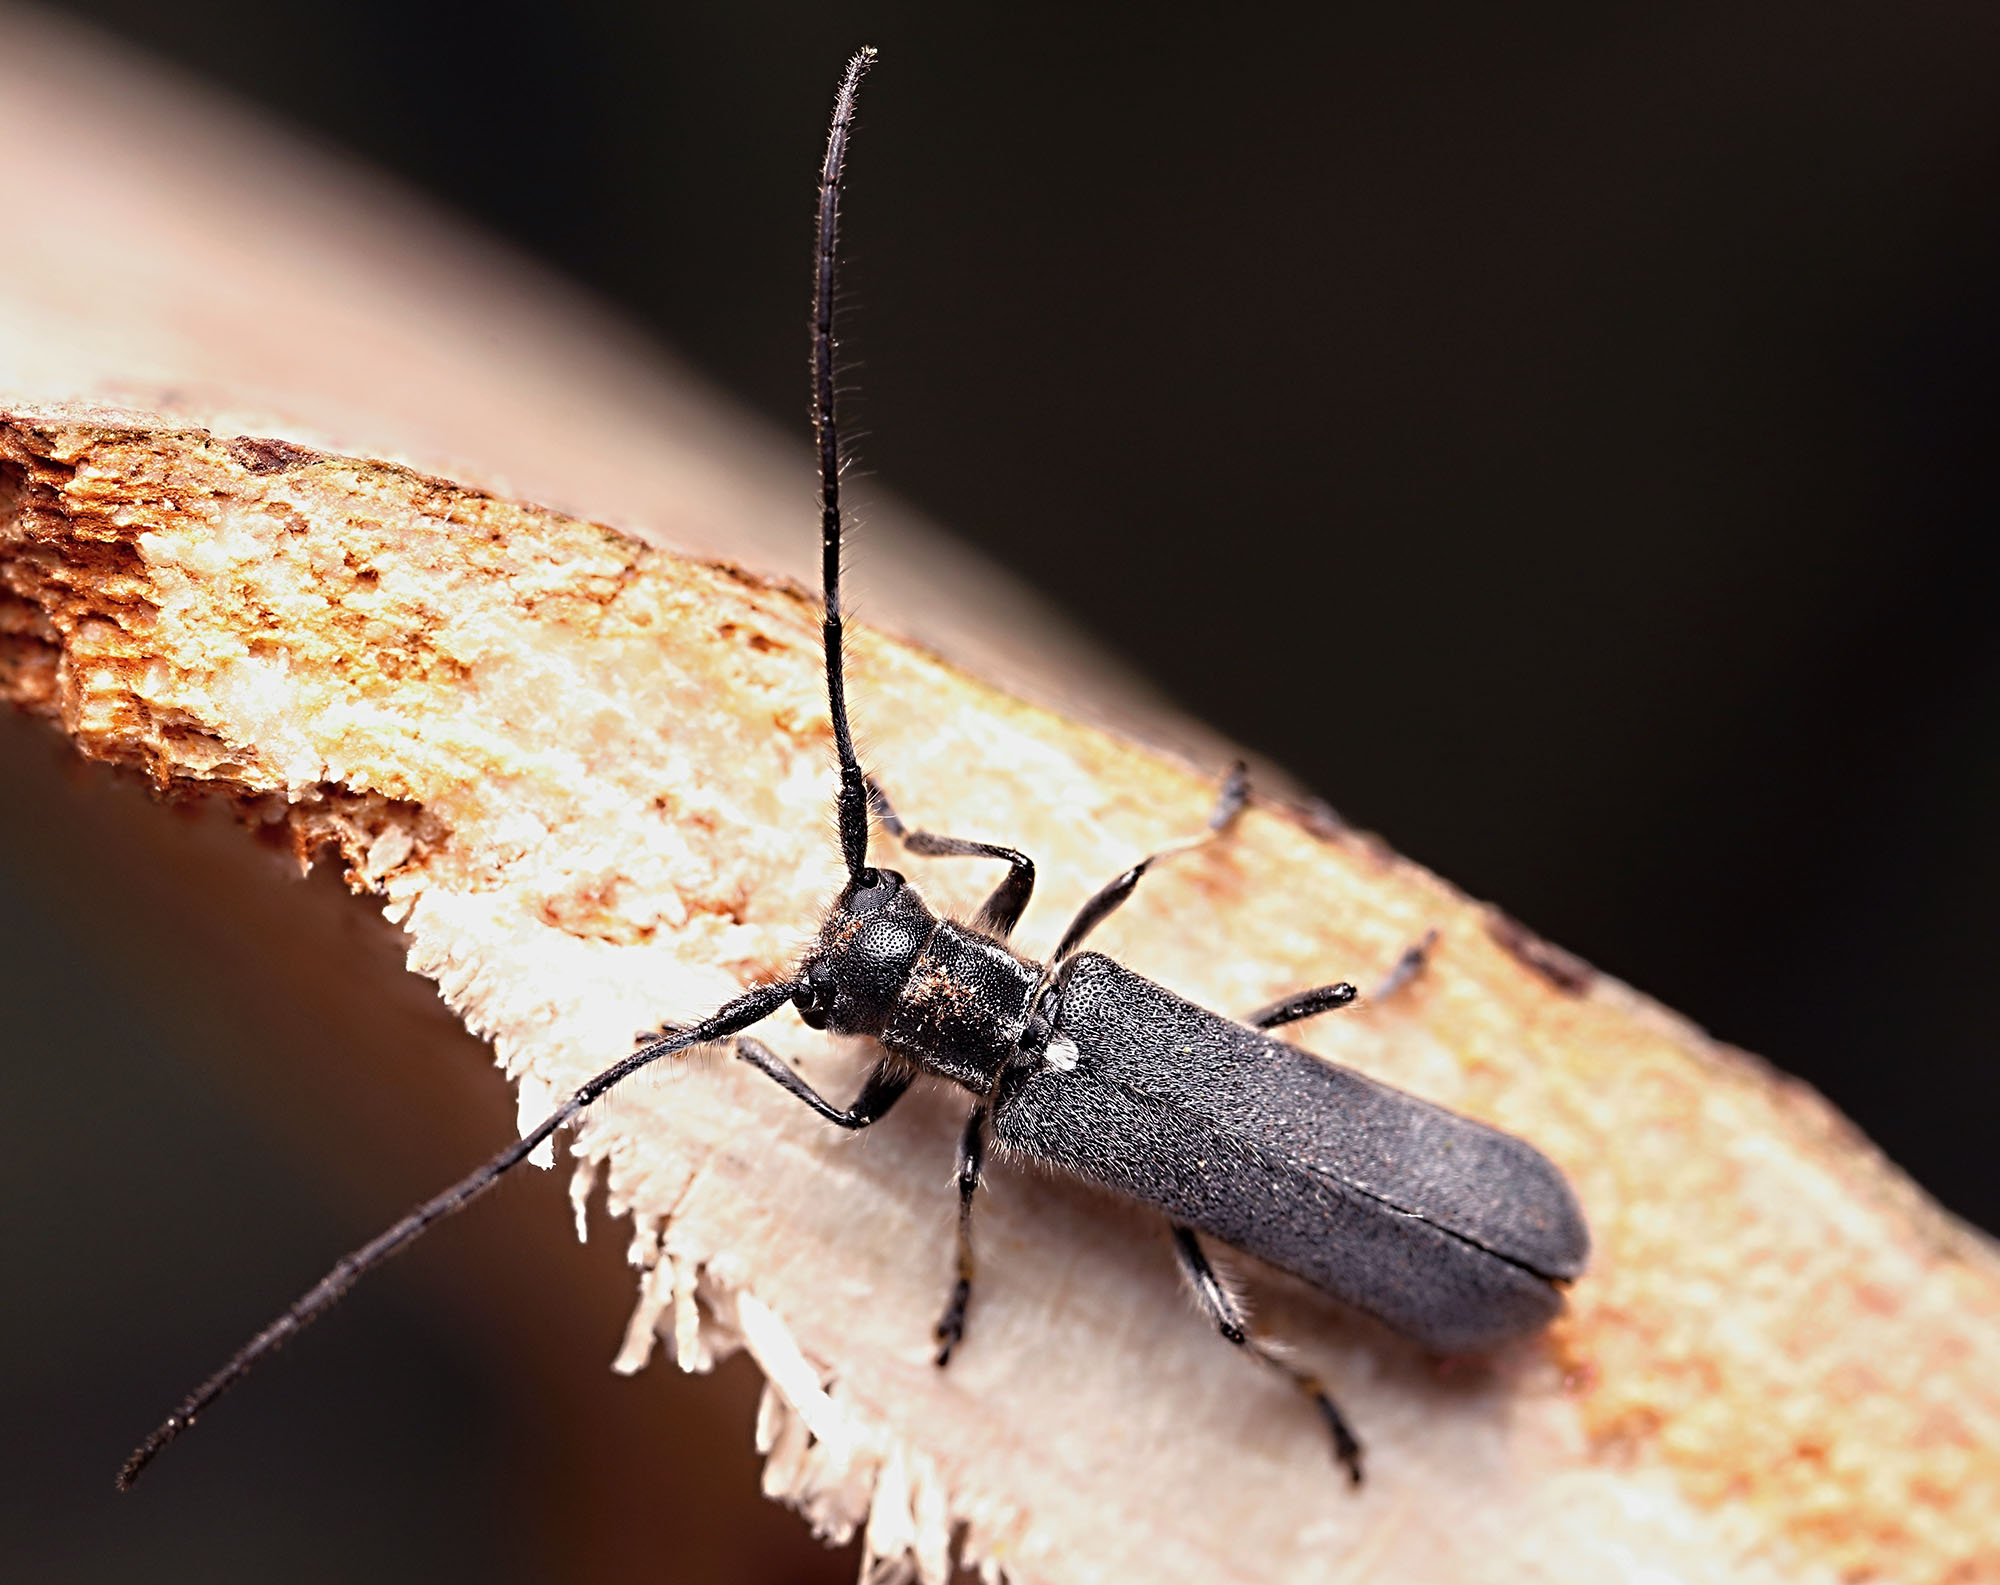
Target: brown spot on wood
757	641
1564	970
260	455
593	910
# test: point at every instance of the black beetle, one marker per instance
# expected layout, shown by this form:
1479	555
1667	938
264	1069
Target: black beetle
1451	1232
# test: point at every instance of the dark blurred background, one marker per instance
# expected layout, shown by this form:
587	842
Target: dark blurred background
1564	436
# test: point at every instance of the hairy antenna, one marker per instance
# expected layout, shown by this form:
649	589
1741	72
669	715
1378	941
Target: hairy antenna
853	805
739	1014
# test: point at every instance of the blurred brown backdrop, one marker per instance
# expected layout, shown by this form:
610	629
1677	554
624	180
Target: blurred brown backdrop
1565	438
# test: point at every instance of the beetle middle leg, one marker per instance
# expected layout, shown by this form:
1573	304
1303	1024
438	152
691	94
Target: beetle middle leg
1227	1312
1109	899
1301	1005
1325	998
971	1165
1407	967
1001	911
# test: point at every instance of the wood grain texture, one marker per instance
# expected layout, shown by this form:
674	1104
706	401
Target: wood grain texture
591	780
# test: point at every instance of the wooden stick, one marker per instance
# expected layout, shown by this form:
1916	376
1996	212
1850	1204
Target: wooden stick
591	781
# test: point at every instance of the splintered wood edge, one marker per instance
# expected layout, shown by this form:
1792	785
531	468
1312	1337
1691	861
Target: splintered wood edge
591	781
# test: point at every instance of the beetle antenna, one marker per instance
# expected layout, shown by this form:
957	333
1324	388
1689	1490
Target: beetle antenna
853	807
745	1010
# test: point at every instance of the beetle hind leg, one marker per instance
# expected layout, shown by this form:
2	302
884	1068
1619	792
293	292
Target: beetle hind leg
1233	1322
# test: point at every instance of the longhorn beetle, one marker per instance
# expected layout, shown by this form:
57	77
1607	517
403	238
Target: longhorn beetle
1451	1232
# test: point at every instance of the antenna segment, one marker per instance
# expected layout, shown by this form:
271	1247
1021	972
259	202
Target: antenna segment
853	806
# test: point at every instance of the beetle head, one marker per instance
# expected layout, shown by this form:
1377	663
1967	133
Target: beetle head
866	951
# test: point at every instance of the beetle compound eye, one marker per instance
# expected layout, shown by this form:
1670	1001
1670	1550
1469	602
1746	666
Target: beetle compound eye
813	996
878	887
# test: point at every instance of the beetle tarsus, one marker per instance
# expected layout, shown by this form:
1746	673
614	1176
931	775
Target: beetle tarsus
1346	1446
950	1329
1413	961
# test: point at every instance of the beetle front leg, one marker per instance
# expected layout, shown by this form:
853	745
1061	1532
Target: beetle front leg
883	1088
1002	910
1233	1322
971	1165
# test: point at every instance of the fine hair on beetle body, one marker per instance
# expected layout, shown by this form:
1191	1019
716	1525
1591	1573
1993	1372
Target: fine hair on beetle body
1452	1233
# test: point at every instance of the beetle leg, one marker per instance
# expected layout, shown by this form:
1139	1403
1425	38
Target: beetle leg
1304	1004
1109	899
1406	968
1000	912
971	1164
1233	1322
882	1089
1324	998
